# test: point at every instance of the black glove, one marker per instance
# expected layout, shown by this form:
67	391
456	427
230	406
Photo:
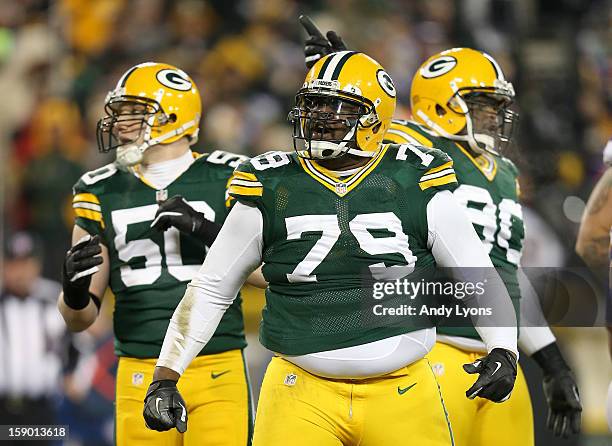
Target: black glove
176	212
497	373
316	45
164	407
561	392
80	263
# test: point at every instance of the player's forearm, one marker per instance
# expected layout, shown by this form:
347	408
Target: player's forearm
456	245
534	333
593	247
593	242
234	255
77	320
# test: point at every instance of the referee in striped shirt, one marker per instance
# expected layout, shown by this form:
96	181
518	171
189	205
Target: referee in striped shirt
33	338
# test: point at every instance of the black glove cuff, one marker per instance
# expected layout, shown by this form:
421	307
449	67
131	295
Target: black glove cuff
160	384
206	230
75	297
551	360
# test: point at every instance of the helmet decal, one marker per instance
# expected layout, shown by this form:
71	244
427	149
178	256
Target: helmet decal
174	79
438	67
333	65
386	82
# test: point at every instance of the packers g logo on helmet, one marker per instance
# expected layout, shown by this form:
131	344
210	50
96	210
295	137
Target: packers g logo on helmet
345	106
386	82
438	67
452	86
174	79
153	103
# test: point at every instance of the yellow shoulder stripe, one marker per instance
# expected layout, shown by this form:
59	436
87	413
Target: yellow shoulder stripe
446	179
404	134
91	198
439	168
90	215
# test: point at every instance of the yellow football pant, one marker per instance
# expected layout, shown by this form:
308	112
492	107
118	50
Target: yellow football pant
215	388
300	409
480	422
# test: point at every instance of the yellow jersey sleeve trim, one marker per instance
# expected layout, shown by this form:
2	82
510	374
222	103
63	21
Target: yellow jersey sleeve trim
244	176
90	215
256	191
90	198
448	165
446	179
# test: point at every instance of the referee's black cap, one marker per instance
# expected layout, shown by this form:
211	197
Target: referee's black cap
22	245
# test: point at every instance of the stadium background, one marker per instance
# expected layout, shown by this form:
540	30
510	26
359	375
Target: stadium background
59	58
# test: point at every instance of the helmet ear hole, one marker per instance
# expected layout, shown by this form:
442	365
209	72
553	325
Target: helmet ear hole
440	110
376	128
172	118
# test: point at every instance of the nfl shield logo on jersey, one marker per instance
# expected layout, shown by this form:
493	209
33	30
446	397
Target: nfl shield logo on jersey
340	188
161	195
438	369
290	379
137	379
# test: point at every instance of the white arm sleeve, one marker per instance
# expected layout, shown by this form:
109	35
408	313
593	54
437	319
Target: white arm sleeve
455	244
232	257
534	333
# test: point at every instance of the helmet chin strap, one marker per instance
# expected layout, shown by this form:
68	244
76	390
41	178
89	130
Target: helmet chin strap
478	142
328	150
129	155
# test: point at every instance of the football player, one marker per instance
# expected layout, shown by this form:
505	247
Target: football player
142	226
341	204
460	103
594	243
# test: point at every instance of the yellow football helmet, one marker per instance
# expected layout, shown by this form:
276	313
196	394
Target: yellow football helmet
345	106
153	103
462	94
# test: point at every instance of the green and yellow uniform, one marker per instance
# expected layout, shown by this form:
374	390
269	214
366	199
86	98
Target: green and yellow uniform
489	190
321	236
149	271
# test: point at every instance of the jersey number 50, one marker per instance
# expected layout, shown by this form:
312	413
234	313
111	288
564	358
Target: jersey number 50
151	251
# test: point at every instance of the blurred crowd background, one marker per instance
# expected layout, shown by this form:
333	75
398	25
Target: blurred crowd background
59	58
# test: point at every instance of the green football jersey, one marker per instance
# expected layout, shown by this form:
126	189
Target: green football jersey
322	235
489	190
149	270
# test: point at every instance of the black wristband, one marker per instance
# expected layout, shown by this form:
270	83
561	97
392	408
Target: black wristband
96	300
206	230
551	360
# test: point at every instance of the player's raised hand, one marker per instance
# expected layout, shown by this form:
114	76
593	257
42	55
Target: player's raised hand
82	260
80	263
497	373
164	407
317	45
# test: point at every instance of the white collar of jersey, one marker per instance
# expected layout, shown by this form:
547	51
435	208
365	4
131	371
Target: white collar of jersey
161	174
